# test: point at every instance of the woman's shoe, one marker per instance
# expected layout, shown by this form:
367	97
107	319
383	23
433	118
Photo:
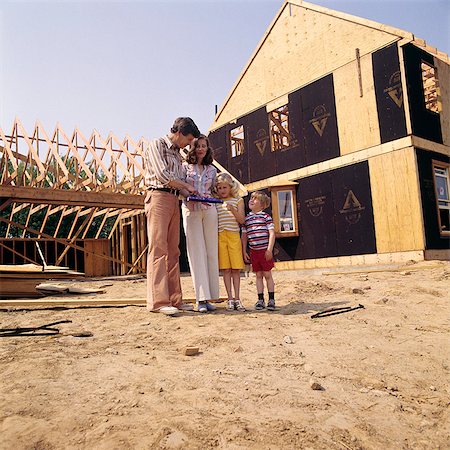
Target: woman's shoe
230	305
210	306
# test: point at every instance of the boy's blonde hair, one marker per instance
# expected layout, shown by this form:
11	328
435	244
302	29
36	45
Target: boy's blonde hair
226	178
262	197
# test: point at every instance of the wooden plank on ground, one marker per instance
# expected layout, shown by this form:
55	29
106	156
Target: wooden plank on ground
91	301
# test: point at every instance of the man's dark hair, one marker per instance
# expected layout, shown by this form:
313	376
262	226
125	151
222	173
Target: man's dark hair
185	125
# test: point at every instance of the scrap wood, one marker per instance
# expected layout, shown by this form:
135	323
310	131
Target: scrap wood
46	288
334	311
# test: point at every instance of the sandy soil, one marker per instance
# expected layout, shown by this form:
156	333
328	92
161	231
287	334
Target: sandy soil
384	369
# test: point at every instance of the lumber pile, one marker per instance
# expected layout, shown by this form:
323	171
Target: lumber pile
17	281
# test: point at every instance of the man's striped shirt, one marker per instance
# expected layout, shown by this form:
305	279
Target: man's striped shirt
257	226
162	162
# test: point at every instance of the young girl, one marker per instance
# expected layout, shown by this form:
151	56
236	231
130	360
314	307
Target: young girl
231	214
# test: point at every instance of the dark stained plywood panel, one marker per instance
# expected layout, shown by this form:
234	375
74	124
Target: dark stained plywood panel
319	122
218	142
389	93
353	212
260	156
238	165
428	194
293	157
425	123
316	211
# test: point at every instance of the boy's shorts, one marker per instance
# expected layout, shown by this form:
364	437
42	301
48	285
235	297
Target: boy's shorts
259	261
230	250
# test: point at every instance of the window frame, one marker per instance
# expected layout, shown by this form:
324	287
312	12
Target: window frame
283	131
237	145
274	191
446	167
434	89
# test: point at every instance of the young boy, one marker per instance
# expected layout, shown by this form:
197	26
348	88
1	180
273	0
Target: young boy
258	232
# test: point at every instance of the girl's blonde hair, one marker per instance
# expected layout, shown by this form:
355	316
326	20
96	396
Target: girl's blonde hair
226	178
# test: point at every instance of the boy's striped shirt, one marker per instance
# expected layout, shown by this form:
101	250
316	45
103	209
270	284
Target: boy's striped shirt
257	226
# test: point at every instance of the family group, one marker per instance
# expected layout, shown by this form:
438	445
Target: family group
219	235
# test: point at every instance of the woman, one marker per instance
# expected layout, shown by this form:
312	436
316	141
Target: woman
200	224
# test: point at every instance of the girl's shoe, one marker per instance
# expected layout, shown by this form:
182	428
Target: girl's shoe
238	305
230	305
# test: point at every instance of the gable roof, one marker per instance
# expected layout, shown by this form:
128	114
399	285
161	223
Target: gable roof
391	34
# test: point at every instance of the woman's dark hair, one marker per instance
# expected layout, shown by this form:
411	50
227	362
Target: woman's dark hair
185	125
191	157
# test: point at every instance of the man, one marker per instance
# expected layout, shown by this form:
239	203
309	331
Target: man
164	180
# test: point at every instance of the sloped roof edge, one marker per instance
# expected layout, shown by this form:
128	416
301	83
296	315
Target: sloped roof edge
320	9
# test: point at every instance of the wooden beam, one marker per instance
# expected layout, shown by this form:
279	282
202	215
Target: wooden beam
68	197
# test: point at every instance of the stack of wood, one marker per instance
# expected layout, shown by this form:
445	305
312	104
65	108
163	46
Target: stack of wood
17	281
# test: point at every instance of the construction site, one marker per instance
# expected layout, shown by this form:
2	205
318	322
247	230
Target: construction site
345	124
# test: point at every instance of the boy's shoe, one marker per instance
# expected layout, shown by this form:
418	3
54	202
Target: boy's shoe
260	305
202	308
238	305
210	306
230	305
271	305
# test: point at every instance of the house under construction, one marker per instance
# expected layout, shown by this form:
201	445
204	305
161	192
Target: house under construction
347	123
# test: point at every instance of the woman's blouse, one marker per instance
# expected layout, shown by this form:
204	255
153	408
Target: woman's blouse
227	221
203	182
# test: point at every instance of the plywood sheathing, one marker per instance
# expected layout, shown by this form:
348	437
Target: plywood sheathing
443	71
396	202
356	112
303	43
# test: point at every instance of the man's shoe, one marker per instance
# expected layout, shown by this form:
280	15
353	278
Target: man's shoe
167	310
259	305
271	305
186	307
202	308
210	306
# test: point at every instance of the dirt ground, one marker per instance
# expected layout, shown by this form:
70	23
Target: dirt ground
383	370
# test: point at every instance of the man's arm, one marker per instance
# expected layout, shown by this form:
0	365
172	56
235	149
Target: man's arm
154	157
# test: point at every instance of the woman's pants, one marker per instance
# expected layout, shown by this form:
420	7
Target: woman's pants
201	232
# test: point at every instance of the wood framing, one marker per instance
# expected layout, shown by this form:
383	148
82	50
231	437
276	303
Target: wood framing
70	193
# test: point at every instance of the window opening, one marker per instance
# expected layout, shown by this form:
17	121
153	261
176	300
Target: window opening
237	141
442	185
284	209
431	89
279	128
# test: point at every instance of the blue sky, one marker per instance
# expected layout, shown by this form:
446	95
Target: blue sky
132	67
